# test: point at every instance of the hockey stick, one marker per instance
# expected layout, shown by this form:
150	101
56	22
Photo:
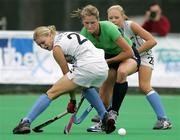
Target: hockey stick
68	127
38	129
83	116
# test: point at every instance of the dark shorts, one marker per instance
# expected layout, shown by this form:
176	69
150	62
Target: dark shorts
115	65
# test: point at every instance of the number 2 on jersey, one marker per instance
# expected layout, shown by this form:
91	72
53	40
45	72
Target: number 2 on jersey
80	41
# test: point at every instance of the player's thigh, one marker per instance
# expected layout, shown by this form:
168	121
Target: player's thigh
127	67
110	79
61	86
106	88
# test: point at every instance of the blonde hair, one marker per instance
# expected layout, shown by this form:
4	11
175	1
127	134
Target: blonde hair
88	10
44	31
120	9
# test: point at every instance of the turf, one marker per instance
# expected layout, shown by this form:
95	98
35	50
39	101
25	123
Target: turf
136	116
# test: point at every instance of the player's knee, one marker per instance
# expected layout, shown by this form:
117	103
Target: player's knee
52	95
144	88
122	74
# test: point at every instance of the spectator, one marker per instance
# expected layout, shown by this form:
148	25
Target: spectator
155	22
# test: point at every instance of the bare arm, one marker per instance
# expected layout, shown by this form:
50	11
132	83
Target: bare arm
125	54
60	59
150	41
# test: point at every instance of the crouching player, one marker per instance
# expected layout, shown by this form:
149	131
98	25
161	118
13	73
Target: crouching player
89	70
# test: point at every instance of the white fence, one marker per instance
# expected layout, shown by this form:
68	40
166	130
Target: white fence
22	62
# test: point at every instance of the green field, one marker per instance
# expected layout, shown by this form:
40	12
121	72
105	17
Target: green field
136	116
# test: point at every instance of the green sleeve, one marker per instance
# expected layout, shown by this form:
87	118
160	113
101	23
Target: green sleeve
113	31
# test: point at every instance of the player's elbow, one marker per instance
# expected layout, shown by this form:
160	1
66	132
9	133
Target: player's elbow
154	42
130	53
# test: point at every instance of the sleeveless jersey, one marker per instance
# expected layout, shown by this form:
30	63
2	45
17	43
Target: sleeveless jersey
147	57
137	40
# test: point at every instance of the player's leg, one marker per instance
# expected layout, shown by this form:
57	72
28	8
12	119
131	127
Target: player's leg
108	123
120	88
61	86
106	90
126	68
94	99
153	98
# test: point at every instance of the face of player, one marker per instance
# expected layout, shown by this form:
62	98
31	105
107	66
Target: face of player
116	17
91	24
45	42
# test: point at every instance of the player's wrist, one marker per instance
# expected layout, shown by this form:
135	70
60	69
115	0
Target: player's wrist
73	101
71	107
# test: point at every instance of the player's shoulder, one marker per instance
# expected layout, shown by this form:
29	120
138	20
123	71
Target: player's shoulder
84	31
61	37
106	23
108	26
128	22
66	34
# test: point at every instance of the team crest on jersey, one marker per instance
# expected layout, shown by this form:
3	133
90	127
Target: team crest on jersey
70	59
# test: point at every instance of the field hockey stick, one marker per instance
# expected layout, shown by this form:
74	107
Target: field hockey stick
38	129
68	127
83	115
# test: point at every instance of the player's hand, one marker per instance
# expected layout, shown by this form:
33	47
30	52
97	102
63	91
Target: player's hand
71	107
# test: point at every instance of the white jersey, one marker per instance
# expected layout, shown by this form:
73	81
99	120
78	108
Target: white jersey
77	49
147	58
89	65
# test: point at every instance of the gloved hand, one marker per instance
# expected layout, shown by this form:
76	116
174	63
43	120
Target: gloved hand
71	107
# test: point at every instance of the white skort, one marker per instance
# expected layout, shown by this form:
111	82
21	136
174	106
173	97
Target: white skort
147	59
90	75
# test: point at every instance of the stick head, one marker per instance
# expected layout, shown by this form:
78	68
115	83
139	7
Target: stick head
66	130
37	130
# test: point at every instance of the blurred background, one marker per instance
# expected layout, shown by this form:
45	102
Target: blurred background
28	14
23	65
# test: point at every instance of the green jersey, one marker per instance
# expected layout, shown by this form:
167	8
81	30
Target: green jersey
109	33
